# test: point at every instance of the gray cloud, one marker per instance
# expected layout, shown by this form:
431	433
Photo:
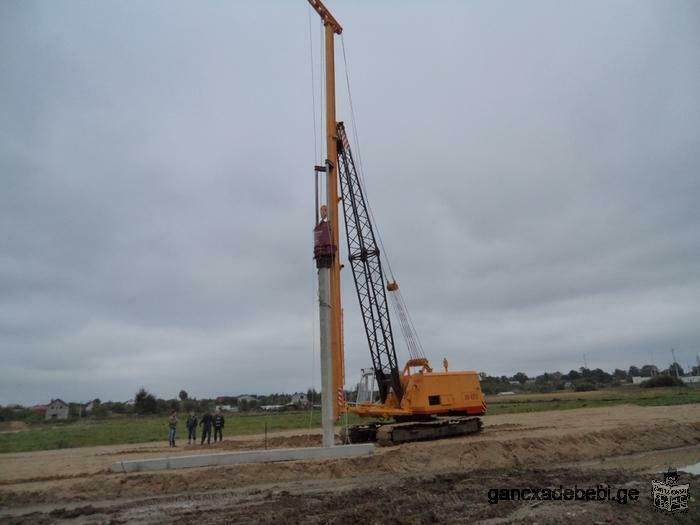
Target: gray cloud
534	172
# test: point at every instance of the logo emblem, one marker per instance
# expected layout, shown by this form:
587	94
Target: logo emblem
668	495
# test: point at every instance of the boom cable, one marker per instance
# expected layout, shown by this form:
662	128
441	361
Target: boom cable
408	329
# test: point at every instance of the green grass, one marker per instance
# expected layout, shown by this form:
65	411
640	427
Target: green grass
142	429
619	396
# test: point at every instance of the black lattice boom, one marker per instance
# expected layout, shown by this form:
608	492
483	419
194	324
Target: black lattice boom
363	253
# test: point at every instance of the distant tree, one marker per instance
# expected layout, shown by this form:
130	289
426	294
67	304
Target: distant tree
544	387
633	372
162	406
117	407
520	377
600	376
145	402
544	378
675	369
183	395
649	371
620	375
75	409
574	375
189	405
312	396
585	386
493	385
100	410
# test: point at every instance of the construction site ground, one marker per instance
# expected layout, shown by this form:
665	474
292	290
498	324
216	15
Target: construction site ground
446	481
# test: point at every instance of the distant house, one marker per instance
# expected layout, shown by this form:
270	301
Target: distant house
226	408
247	399
685	379
273	408
300	400
57	409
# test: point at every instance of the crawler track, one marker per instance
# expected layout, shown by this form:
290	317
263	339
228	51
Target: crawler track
387	434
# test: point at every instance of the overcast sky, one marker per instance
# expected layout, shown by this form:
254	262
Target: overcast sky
534	167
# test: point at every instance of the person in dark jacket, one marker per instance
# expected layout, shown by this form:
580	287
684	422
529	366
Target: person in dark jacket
191	428
206	423
218	426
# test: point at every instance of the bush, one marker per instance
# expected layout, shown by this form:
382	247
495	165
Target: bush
585	387
661	381
544	388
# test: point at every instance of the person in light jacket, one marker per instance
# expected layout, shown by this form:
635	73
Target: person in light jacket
218	426
172	428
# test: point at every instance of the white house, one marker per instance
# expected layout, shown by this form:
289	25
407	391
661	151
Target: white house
685	379
57	409
247	399
226	408
300	400
272	408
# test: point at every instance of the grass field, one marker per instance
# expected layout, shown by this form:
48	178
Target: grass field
597	398
141	429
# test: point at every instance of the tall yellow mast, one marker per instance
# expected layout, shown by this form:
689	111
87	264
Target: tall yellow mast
439	404
332	27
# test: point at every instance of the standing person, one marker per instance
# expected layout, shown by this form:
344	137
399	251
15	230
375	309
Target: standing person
191	428
172	428
218	426
206	422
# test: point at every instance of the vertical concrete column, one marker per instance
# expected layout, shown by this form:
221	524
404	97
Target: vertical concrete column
327	394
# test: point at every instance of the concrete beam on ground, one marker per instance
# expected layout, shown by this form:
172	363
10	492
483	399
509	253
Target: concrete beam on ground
252	456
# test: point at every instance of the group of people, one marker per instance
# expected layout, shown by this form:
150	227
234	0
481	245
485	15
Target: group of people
207	423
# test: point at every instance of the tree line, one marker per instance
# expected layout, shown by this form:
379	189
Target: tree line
580	380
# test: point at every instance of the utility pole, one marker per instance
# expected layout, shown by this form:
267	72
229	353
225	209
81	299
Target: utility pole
326	242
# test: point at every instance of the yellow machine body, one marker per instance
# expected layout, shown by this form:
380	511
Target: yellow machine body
428	393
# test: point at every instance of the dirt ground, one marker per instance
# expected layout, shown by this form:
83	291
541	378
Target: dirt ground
445	481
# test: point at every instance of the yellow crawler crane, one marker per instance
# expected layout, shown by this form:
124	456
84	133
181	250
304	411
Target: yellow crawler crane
416	402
